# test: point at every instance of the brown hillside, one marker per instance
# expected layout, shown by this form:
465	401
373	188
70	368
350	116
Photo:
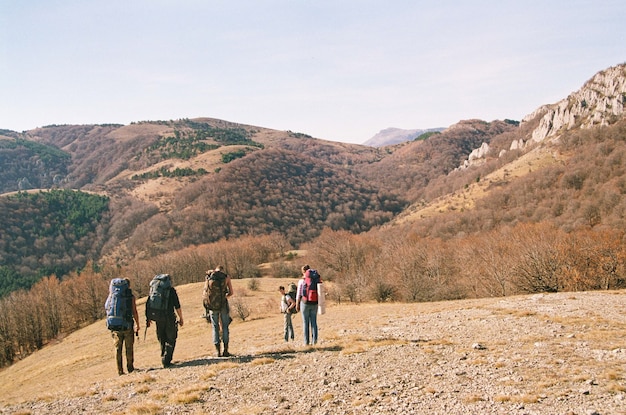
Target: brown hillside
466	198
272	190
411	167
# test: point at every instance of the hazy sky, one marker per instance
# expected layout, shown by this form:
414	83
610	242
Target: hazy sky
337	70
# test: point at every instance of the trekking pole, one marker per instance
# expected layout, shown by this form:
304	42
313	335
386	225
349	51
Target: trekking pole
144	333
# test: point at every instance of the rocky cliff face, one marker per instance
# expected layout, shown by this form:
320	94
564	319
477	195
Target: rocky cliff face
599	102
390	136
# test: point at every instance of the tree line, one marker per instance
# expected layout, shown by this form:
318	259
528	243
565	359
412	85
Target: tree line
400	265
382	266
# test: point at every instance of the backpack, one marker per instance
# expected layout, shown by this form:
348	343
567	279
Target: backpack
309	288
158	298
117	305
293	291
214	298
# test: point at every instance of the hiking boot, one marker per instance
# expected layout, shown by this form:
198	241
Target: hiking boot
219	353
225	353
131	369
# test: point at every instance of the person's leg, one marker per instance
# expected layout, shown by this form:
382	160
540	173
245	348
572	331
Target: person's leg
225	318
160	332
306	320
286	321
290	327
314	324
170	343
129	340
214	316
117	342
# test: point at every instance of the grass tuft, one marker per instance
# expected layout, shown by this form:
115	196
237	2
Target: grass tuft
263	361
144	409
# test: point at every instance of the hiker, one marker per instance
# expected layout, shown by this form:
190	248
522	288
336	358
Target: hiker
287	307
306	302
123	336
165	316
217	289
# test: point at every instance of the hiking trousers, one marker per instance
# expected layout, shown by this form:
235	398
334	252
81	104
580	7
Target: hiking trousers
288	327
167	332
309	322
220	318
121	339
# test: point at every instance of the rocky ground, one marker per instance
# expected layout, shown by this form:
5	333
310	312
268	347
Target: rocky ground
559	353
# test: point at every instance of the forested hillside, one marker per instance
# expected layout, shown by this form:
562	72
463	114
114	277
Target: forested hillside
583	188
30	165
48	233
178	183
280	191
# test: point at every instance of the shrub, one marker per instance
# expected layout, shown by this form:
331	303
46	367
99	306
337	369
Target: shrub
240	307
383	291
253	284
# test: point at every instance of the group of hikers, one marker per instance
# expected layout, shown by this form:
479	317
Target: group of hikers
163	307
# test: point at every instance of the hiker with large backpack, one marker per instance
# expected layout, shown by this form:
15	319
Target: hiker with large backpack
288	308
217	288
123	321
162	307
307	302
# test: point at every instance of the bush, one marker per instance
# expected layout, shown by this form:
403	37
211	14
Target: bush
240	308
383	291
253	284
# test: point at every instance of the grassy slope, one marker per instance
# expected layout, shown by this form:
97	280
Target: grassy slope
87	356
84	361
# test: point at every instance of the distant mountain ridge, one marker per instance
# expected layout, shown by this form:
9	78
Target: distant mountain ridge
390	136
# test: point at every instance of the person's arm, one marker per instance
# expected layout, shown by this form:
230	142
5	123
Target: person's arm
299	294
135	315
147	319
177	307
229	284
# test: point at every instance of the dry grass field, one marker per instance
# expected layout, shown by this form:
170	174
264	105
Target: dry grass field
559	353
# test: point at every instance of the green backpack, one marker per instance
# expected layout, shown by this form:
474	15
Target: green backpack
214	298
293	291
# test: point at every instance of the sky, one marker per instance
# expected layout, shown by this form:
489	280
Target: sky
339	70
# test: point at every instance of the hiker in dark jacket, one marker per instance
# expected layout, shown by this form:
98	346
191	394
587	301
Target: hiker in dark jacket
167	330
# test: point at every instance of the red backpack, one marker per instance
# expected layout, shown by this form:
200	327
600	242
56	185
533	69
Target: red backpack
309	288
